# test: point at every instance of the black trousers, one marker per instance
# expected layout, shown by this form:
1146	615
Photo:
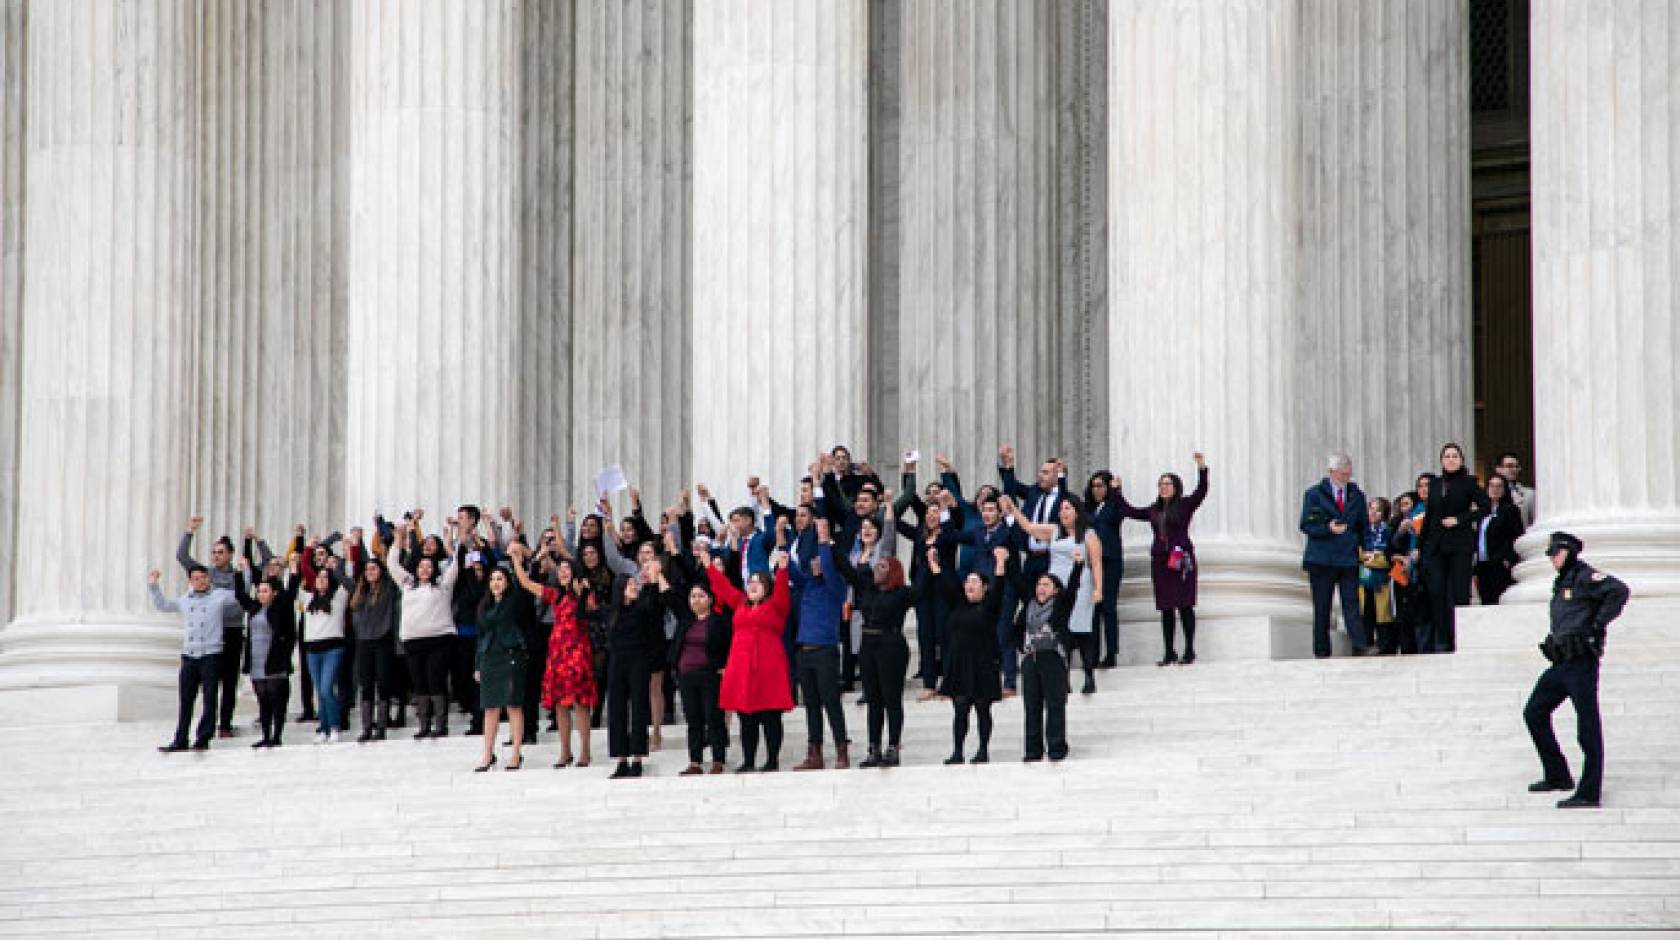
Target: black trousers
1044	695
819	685
1493	579
428	663
1085	644
233	642
1108	617
770	723
463	656
200	675
272	694
347	682
1577	681
1326	580
882	661
627	704
307	684
1447	578
376	667
699	690
536	666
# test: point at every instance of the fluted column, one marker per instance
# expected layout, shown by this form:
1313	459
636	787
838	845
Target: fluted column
1384	344
546	149
631	361
1606	180
108	425
1203	123
780	176
271	327
434	98
13	96
979	339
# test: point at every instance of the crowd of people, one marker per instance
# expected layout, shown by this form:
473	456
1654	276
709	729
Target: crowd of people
1402	567
743	616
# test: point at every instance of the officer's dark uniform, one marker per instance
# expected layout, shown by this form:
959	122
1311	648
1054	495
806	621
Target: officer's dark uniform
1584	602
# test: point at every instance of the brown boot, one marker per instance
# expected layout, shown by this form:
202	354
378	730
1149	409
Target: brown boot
813	758
841	761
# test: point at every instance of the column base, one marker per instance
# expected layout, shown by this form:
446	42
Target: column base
1252	602
1644	553
102	671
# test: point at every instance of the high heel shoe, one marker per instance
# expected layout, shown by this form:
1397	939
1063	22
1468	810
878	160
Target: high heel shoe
564	762
583	761
481	768
1187	659
516	763
1169	659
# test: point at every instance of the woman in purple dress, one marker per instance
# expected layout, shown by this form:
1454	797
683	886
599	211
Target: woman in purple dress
1172	556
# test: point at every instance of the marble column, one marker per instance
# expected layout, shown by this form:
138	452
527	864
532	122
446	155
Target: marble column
1203	250
1605	105
1383	351
434	402
271	324
13	95
979	339
780	182
632	359
546	153
107	417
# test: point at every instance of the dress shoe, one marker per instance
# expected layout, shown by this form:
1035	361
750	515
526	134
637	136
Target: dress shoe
1546	786
717	767
871	760
621	771
636	769
172	747
1188	658
889	757
481	768
201	745
746	768
1169	659
1107	662
1577	802
692	770
956	758
1090	685
980	757
224	733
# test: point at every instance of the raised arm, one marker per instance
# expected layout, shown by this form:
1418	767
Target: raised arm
167	605
183	550
729	596
1045	531
1194	500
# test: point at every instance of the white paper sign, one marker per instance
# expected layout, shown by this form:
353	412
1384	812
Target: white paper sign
610	479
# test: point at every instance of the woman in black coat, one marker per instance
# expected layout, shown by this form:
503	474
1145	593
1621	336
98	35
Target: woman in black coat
270	638
971	679
883	599
1496	542
1455	505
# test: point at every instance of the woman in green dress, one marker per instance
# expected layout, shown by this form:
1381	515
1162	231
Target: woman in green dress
501	662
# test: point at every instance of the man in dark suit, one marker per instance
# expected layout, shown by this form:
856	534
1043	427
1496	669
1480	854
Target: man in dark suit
1334	519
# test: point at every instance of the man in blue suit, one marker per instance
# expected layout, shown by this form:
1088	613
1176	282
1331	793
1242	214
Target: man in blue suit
1334	520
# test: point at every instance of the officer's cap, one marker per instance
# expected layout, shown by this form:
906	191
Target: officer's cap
1563	541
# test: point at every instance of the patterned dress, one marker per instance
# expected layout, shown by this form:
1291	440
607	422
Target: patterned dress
570	677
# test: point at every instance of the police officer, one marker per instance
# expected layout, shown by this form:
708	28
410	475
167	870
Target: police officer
1584	602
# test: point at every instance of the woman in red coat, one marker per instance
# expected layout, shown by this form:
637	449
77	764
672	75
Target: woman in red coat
1172	556
755	677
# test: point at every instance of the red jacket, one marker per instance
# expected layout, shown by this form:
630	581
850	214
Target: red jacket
755	679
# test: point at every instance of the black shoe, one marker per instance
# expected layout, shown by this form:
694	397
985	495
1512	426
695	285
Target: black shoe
980	757
889	757
1168	659
481	768
769	767
1057	757
621	771
1546	786
745	768
1107	662
636	770
304	718
173	747
530	737
515	765
956	758
263	743
1090	685
473	730
1189	657
201	745
1577	802
1031	758
871	761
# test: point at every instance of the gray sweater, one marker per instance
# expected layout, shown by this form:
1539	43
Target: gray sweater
204	615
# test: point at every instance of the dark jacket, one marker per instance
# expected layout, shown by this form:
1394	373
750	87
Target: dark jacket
720	631
1318	510
1030	496
282	622
1058	615
883	611
1504	527
1584	601
638	628
1105	521
1458	496
503	627
1003	535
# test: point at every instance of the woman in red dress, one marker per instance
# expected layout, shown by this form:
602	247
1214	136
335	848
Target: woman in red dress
568	684
755	677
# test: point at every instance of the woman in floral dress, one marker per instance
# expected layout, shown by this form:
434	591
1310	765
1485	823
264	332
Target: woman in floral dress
569	681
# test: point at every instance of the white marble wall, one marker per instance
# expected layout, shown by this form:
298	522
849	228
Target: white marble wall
13	92
780	188
1204	253
979	337
109	339
1605	104
546	149
632	361
434	254
270	382
1384	345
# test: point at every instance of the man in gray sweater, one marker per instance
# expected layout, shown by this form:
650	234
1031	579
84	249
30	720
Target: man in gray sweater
222	574
204	611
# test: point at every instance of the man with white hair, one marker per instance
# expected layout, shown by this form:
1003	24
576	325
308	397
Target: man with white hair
1334	519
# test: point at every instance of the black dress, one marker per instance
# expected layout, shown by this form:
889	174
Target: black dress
971	660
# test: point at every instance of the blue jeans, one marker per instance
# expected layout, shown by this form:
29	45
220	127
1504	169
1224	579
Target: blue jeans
323	671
